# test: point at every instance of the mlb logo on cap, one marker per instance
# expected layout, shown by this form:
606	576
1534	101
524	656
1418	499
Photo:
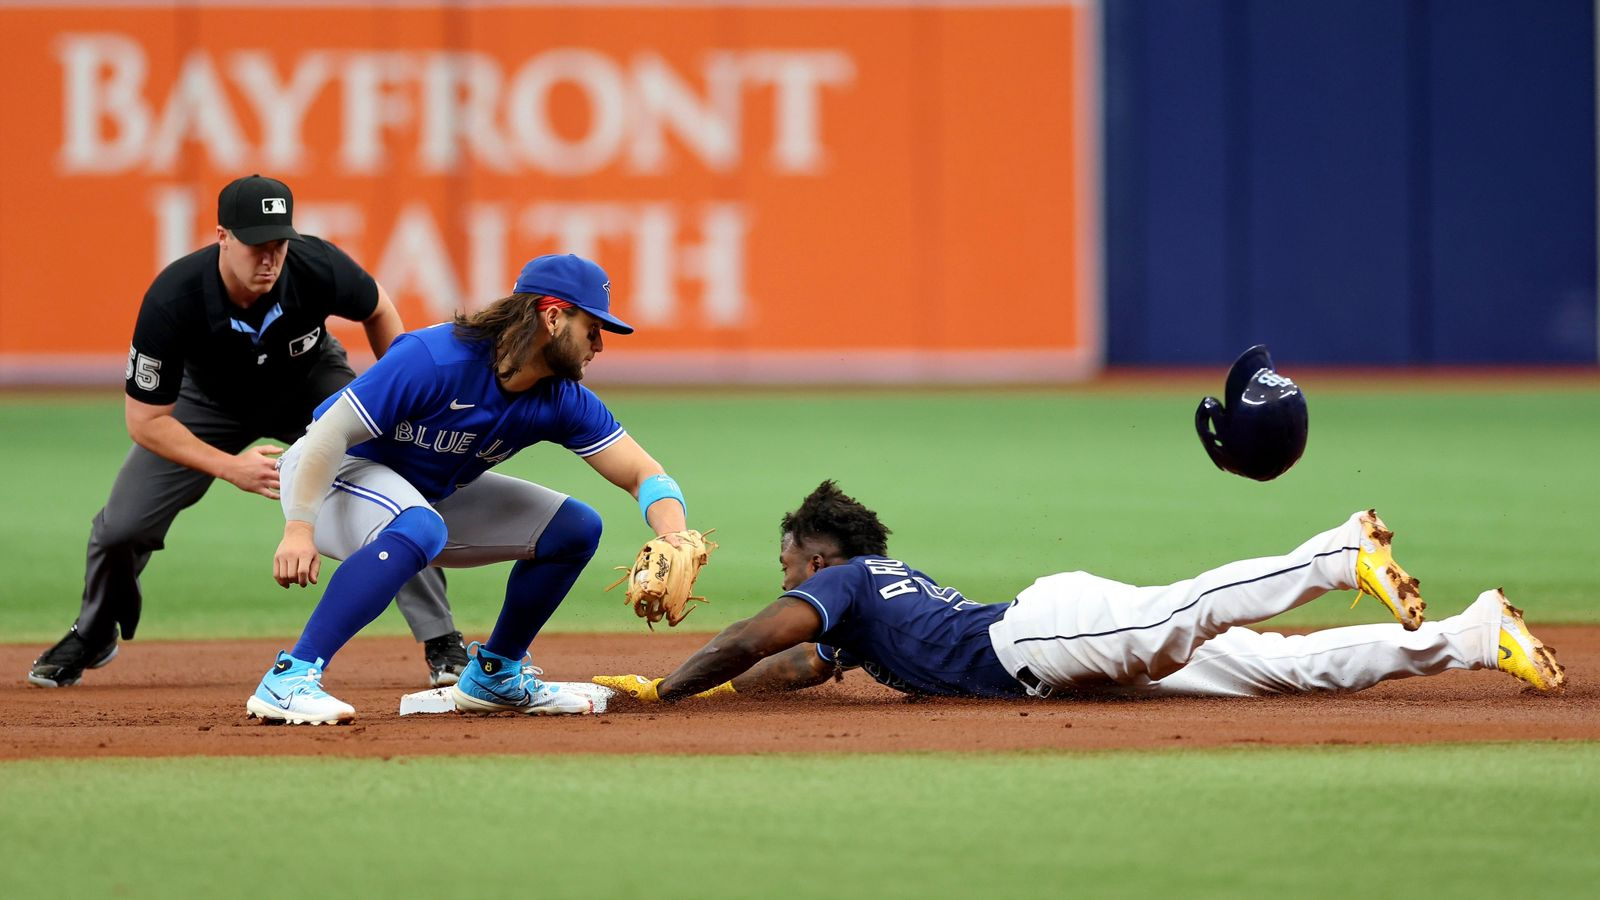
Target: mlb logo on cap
257	210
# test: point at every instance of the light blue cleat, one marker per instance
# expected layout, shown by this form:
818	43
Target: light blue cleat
494	683
291	692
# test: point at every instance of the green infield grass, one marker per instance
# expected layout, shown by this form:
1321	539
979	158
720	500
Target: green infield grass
1444	821
984	490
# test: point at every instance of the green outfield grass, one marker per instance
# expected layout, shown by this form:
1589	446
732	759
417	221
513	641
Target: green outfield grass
1456	821
983	490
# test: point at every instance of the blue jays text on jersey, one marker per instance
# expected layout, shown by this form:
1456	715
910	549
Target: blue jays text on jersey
439	417
906	630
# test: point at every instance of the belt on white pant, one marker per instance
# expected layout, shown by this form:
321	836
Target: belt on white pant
1031	681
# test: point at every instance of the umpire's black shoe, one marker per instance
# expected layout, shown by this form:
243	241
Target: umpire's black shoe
447	658
63	664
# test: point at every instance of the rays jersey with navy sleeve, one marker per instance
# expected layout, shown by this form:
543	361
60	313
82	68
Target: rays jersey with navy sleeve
905	630
439	417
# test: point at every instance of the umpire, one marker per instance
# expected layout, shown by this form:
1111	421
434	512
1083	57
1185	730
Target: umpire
231	345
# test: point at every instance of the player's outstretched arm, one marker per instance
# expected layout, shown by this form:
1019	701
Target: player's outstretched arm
794	669
154	428
786	622
627	465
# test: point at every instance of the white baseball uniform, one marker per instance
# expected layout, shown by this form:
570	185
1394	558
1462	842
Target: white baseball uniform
1077	630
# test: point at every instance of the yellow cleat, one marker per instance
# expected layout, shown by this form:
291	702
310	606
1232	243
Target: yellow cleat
1378	575
1523	655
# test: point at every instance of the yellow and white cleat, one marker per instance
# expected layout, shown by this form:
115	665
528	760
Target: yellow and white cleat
1378	575
1523	655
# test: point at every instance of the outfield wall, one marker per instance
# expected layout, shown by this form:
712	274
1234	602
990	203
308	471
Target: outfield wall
1352	182
781	191
815	190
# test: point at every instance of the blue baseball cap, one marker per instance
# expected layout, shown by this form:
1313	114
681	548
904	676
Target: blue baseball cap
575	280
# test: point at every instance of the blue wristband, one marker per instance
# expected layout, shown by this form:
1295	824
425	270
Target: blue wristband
657	487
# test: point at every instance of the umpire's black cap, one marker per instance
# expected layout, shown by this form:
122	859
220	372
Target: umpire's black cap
257	209
1261	430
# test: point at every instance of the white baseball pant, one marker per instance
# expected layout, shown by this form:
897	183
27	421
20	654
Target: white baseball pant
1076	630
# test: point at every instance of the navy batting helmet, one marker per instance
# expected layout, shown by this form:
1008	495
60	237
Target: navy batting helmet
1261	430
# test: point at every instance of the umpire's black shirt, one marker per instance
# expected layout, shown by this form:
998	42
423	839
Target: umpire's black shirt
245	361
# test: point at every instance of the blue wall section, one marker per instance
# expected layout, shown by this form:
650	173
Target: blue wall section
1513	181
1166	183
1363	182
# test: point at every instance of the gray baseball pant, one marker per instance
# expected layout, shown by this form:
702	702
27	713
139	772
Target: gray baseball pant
150	491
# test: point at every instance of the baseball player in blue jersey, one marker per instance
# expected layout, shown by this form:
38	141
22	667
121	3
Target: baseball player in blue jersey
847	604
393	475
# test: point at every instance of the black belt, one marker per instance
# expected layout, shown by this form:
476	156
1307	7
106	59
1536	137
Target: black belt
1032	683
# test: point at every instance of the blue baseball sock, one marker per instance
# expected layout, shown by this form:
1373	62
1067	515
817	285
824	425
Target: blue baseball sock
368	580
537	586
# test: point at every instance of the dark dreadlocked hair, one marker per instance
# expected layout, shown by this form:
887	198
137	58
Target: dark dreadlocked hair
510	325
829	513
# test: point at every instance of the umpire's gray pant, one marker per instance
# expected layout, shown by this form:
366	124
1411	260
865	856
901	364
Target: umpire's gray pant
150	491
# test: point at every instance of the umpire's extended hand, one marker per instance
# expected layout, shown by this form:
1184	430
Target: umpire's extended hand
255	470
297	560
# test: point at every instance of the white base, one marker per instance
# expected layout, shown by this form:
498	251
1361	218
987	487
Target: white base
439	700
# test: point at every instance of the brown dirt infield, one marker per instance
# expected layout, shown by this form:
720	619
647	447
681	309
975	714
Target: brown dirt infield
187	699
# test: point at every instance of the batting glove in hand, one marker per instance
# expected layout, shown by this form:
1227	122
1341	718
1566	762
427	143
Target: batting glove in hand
648	690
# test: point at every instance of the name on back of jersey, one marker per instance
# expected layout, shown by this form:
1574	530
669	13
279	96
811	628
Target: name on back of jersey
912	584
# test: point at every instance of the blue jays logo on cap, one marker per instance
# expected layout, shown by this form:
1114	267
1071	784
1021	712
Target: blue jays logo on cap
575	280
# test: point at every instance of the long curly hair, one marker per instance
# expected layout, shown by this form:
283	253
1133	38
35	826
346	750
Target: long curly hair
829	513
510	325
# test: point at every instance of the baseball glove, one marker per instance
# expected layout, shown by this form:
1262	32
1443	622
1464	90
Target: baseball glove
662	575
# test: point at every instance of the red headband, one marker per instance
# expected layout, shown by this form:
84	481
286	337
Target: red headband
552	303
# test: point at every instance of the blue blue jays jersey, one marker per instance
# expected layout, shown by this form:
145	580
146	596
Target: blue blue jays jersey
905	630
439	417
